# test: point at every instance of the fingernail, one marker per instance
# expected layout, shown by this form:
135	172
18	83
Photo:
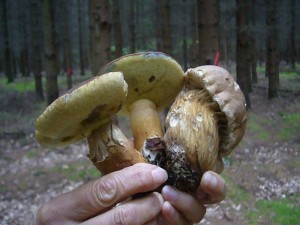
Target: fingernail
169	194
210	180
159	175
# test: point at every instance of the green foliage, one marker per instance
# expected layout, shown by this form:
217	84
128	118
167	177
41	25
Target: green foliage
279	212
21	85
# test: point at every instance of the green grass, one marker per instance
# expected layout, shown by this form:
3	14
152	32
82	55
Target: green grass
279	212
291	126
289	75
258	126
236	193
21	85
77	171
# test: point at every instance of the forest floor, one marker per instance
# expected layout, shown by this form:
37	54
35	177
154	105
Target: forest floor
262	175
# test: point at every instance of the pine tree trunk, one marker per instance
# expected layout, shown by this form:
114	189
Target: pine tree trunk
292	36
67	44
100	25
253	50
242	51
7	51
117	28
272	67
208	30
50	51
36	48
163	31
132	26
194	46
167	31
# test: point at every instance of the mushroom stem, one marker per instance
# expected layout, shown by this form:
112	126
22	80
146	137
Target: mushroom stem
191	139
145	122
110	150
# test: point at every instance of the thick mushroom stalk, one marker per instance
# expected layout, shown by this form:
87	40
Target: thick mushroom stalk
206	121
145	122
110	150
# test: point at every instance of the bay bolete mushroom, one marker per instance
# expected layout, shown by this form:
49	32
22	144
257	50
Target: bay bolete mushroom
206	121
85	112
154	80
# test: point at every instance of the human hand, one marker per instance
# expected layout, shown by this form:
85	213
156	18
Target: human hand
182	208
95	202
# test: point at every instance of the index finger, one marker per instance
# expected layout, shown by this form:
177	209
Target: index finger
102	194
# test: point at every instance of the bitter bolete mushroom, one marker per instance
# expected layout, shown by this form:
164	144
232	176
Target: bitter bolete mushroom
85	112
154	80
206	121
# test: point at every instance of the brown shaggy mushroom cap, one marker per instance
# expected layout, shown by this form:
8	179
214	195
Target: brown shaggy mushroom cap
76	114
227	94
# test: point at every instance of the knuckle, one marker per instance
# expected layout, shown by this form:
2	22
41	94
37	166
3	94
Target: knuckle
139	177
45	215
123	216
104	191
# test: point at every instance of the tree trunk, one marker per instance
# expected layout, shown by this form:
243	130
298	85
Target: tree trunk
208	30
184	35
163	31
194	46
100	25
132	26
252	49
272	67
117	28
67	44
36	48
242	50
7	51
50	51
84	38
292	35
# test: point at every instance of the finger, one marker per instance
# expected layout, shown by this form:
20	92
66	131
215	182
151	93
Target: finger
219	165
212	188
186	204
170	215
138	211
102	194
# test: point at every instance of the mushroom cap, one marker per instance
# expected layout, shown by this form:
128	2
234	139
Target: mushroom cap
227	94
150	75
76	114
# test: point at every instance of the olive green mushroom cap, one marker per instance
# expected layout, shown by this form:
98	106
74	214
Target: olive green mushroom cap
76	114
227	94
150	75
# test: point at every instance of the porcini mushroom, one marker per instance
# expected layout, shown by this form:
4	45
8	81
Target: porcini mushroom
154	80
206	121
85	112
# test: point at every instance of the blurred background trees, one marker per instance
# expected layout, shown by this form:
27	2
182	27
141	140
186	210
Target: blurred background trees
52	38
